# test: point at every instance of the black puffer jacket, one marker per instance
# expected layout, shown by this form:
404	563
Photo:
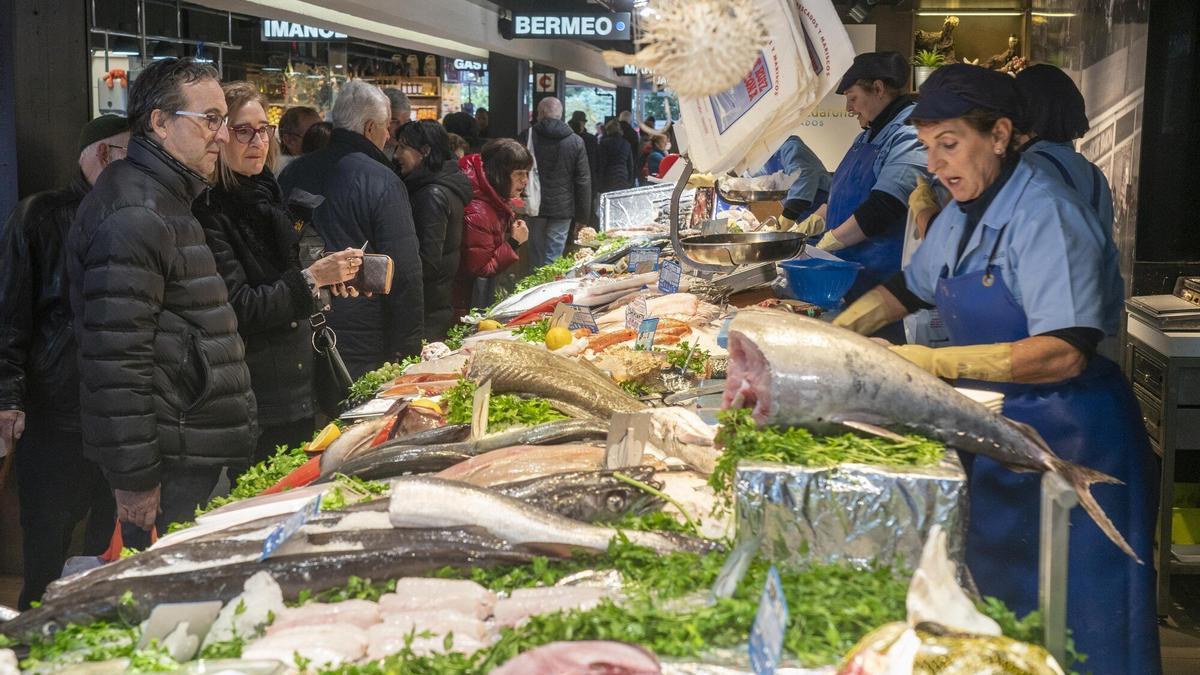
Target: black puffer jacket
365	201
613	164
254	242
38	369
563	170
438	200
163	368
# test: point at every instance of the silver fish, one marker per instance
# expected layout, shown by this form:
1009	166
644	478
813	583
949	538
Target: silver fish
797	371
433	502
520	367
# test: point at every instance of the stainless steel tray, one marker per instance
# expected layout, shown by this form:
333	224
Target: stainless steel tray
742	249
748	196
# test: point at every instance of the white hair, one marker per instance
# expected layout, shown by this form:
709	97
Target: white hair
550	107
357	103
625	116
398	98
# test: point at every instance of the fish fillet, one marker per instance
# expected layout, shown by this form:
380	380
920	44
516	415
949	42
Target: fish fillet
457	595
331	644
525	461
527	602
361	613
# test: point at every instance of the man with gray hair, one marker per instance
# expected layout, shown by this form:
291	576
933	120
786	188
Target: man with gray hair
565	177
365	201
401	115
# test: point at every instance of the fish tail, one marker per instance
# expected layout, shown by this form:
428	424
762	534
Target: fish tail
1081	478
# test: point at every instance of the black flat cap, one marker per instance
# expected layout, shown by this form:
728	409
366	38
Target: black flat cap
890	67
101	128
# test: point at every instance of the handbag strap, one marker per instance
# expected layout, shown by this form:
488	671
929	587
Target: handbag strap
323	334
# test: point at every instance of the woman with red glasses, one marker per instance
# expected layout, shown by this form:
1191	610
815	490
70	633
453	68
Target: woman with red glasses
256	240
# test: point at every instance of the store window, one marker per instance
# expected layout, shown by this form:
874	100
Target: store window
464	85
599	104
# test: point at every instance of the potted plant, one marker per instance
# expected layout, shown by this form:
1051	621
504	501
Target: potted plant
924	63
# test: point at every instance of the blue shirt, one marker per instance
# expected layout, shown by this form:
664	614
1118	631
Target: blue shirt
795	156
1058	266
901	157
1078	173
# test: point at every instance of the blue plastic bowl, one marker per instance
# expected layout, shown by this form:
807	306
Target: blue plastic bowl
820	282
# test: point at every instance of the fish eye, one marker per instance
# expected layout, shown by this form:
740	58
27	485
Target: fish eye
615	501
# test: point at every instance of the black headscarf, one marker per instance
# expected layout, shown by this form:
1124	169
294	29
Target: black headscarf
1053	107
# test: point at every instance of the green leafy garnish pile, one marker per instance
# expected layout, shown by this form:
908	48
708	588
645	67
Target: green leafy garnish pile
533	332
456	335
260	476
634	388
99	641
743	439
504	410
683	357
349	490
356	588
545	274
364	388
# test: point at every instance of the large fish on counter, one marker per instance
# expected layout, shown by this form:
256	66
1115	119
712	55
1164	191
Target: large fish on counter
529	369
797	371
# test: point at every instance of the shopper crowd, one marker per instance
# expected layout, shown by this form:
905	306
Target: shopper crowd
160	311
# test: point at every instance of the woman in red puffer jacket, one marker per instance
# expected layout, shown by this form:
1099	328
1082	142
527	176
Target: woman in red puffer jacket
491	233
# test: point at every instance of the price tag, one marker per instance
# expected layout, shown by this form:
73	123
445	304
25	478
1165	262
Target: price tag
628	434
635	312
573	317
644	259
669	276
723	335
288	527
479	410
645	338
766	637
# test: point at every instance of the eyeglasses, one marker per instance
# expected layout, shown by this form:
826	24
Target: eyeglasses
245	133
212	120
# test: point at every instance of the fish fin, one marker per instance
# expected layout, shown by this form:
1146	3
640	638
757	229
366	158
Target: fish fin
1081	478
873	430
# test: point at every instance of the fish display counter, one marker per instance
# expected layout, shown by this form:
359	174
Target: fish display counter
571	478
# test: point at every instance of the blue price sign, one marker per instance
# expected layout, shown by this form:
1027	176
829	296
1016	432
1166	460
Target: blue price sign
645	338
766	637
644	259
287	528
669	275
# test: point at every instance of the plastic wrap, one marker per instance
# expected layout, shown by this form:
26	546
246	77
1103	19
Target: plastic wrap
852	513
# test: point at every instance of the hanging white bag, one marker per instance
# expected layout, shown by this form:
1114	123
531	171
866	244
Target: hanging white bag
533	190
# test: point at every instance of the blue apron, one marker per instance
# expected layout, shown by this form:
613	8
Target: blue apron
1091	420
879	256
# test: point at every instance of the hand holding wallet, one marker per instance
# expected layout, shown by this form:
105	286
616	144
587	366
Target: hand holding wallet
375	274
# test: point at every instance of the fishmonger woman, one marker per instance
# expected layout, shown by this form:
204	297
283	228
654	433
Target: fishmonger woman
1022	276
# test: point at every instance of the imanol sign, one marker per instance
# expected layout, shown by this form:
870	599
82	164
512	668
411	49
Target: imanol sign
286	31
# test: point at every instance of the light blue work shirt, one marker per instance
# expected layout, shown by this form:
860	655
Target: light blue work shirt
901	157
1062	160
1051	254
795	156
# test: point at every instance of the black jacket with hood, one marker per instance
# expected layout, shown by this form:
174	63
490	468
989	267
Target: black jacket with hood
563	170
438	200
163	370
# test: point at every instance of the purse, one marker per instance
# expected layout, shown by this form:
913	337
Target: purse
332	379
533	191
375	275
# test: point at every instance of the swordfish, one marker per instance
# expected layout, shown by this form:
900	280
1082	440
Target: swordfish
797	371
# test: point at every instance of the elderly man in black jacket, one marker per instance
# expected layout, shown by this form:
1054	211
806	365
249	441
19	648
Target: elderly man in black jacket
566	182
365	202
39	376
165	396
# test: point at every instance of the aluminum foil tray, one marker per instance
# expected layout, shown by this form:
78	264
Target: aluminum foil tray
852	513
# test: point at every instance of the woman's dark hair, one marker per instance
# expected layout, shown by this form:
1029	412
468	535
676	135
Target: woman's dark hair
425	135
1053	106
461	123
501	157
316	137
160	87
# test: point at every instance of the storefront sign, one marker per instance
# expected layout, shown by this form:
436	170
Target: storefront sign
463	64
614	26
286	31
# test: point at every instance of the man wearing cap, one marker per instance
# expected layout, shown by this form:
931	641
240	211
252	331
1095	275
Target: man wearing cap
868	198
39	378
1027	285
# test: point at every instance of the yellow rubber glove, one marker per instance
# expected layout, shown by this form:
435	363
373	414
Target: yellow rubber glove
701	180
810	226
922	197
786	224
991	363
865	315
830	243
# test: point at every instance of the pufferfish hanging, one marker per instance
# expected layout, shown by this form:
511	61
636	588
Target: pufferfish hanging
701	47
